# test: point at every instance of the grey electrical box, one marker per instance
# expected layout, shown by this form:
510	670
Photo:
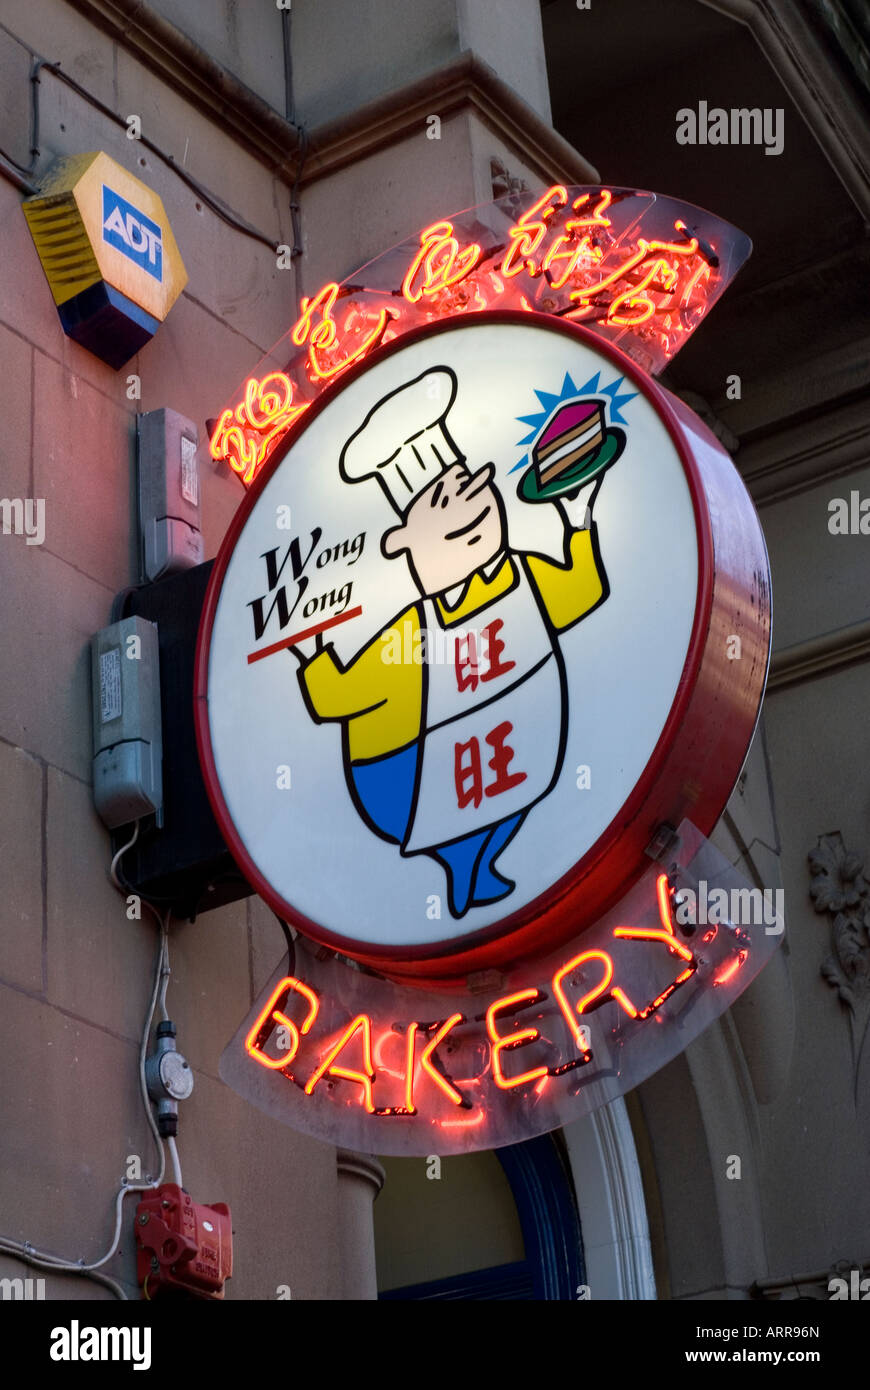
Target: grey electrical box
128	747
168	493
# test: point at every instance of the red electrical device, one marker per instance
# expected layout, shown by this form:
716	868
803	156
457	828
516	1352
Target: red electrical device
182	1247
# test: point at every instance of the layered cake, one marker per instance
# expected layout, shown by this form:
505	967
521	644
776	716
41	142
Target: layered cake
575	432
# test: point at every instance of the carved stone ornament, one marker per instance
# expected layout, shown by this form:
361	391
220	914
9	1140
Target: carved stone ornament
838	886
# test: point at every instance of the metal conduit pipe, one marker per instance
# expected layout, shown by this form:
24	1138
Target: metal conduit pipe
176	57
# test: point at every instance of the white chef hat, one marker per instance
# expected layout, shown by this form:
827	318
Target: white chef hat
403	441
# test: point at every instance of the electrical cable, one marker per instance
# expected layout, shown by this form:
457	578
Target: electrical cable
288	937
119	602
165	973
42	1259
290	116
289	98
24	1250
34	122
29	1257
13	174
113	867
123	885
176	1163
297	248
22	168
210	199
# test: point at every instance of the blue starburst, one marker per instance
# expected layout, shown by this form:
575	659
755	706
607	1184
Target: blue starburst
549	402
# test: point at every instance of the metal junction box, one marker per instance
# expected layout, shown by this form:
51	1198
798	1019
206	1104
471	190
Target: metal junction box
185	863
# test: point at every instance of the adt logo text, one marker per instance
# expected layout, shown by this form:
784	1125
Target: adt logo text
132	233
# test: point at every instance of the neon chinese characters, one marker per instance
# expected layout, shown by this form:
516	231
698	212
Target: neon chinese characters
608	258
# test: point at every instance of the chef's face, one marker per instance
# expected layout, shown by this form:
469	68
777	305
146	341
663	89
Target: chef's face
452	528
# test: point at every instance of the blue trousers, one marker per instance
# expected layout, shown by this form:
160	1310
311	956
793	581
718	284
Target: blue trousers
385	790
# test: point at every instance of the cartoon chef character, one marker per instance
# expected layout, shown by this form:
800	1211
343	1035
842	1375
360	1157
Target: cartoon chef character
445	757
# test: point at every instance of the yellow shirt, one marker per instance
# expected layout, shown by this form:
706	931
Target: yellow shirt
380	693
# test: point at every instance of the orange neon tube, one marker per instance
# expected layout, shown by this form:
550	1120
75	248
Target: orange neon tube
572	254
270	1011
364	1079
409	1069
450	1091
659	270
322	301
730	970
597	219
511	1040
476	1119
666	932
570	1013
324	373
644	249
442	262
526	234
323	336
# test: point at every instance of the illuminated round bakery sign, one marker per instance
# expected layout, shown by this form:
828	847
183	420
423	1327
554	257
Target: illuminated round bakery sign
492	617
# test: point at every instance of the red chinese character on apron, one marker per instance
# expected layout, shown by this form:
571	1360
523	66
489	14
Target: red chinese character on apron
492	718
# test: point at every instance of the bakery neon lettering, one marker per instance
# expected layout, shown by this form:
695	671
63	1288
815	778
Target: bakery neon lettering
409	1070
730	970
471	1123
271	1014
407	1077
440	259
274	1013
432	1069
666	934
438	1077
508	1041
694	279
362	1023
575	252
599	992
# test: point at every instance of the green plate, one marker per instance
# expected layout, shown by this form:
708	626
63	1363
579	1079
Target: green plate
584	470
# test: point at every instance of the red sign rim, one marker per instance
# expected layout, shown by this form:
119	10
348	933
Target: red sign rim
616	860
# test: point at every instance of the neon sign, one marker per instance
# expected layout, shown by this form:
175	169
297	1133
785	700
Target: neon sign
638	269
490	684
441	262
331	349
245	437
445	642
400	1072
504	1008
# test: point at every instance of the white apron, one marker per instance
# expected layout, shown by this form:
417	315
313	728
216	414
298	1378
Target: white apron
457	761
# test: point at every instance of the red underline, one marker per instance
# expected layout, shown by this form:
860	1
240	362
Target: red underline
300	636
